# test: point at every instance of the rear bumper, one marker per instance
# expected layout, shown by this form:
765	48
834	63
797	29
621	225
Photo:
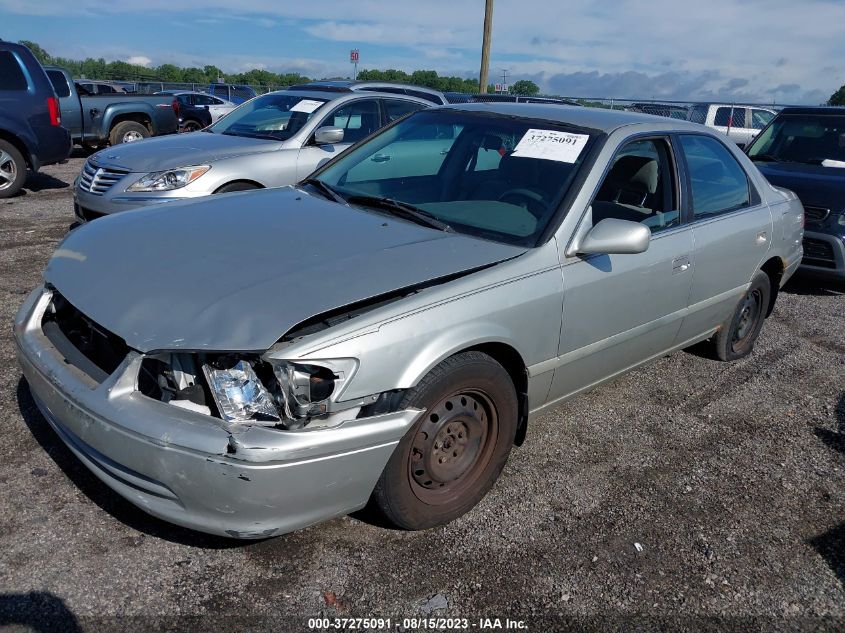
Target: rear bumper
824	255
192	470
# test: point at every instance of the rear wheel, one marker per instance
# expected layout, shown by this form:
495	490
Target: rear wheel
128	132
737	335
12	170
453	455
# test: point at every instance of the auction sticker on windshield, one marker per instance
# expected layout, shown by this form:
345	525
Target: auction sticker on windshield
307	106
563	147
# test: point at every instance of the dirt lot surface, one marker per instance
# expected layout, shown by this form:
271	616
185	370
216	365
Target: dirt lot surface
691	494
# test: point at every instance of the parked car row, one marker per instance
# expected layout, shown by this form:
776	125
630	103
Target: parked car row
383	331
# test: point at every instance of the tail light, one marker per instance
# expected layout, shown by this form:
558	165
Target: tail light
55	111
175	106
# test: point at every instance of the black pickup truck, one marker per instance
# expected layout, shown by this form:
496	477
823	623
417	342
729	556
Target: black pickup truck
99	120
31	132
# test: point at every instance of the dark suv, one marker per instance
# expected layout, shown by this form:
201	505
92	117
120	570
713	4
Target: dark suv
31	132
803	149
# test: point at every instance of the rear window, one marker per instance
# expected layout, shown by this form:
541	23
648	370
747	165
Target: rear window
59	83
730	117
11	74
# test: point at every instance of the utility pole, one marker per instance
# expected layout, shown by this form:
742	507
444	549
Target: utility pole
485	46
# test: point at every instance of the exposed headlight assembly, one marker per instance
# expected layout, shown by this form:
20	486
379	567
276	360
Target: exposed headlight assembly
276	393
170	179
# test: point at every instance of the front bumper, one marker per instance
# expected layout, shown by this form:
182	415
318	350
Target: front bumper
88	206
188	468
824	255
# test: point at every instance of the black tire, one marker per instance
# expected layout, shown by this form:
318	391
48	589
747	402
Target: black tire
191	125
736	336
237	186
128	132
454	453
12	170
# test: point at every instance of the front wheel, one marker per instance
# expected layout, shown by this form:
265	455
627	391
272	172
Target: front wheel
454	453
191	126
737	335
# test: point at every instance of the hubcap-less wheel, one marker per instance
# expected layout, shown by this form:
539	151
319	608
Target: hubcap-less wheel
132	136
750	312
8	170
453	447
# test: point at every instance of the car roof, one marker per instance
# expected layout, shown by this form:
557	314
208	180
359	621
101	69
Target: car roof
602	119
814	110
348	84
348	95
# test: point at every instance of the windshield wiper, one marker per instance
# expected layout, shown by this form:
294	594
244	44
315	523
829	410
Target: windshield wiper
767	158
402	210
327	190
269	137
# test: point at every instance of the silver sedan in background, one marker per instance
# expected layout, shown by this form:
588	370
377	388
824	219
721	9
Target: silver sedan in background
386	331
270	141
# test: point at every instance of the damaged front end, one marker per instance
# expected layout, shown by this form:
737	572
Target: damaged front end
248	389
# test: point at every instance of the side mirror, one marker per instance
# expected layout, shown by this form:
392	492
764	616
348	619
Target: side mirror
328	135
612	236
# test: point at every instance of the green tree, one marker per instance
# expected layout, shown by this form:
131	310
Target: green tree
524	88
40	54
838	97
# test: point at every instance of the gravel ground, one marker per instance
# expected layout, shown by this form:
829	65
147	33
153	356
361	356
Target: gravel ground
691	494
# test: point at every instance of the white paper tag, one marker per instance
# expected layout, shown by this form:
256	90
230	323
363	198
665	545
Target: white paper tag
564	147
829	162
307	105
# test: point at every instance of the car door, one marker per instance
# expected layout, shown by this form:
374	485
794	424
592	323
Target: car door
620	310
358	119
732	229
216	107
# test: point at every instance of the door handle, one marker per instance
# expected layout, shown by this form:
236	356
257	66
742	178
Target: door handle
761	237
380	158
680	265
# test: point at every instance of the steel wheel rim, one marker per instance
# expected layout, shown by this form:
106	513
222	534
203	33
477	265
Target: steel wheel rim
8	170
749	314
453	447
190	127
132	136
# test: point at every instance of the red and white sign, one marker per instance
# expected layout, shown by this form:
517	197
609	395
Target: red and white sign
353	56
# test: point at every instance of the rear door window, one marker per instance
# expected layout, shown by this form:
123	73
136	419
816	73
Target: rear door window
59	82
11	74
719	183
730	117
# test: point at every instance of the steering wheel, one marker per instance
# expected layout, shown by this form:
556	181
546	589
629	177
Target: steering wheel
525	198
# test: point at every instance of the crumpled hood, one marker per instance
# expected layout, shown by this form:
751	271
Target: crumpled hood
813	184
237	271
179	150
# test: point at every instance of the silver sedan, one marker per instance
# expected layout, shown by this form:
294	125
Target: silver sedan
270	141
385	332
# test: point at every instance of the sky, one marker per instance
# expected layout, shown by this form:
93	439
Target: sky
782	51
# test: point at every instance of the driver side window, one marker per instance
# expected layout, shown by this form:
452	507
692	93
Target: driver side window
640	187
358	119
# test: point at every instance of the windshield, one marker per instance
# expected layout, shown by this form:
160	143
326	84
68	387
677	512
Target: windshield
817	139
273	116
492	176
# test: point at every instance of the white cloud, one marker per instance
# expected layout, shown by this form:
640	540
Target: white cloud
139	60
